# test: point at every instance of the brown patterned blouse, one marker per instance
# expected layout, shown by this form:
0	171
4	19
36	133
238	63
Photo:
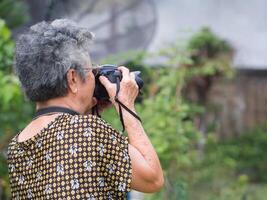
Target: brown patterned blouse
73	157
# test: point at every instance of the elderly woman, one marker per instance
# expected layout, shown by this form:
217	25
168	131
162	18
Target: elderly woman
65	152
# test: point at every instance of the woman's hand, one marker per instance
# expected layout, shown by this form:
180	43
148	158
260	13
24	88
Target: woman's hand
128	88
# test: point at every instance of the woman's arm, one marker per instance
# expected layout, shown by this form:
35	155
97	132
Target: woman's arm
147	175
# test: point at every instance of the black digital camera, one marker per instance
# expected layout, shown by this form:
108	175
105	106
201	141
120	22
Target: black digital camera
112	73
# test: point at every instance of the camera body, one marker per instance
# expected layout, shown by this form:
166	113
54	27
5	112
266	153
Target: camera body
112	73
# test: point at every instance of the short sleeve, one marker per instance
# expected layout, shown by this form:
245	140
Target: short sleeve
118	163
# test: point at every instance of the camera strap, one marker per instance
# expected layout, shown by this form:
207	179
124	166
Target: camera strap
121	105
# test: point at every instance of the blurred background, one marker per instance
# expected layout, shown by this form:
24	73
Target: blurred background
204	65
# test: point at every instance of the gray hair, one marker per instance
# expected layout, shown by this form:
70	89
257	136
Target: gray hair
46	52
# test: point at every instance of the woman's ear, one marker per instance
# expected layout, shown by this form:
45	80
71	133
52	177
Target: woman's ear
72	78
94	101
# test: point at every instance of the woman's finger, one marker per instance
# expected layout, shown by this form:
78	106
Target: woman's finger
132	75
125	73
107	84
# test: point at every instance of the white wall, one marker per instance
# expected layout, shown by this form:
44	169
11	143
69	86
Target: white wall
241	22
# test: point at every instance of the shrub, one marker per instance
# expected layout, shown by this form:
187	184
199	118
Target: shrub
6	48
249	152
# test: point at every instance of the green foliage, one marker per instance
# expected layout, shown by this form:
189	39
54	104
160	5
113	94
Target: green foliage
211	55
14	12
6	48
15	112
249	152
207	45
214	177
229	166
243	157
13	108
167	120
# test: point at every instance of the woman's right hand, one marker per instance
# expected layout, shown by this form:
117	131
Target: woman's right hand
128	88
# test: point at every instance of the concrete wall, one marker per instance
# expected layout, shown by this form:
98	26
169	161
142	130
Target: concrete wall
243	23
